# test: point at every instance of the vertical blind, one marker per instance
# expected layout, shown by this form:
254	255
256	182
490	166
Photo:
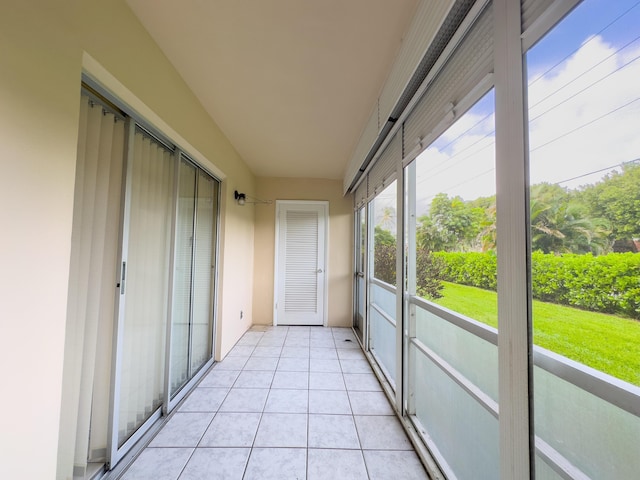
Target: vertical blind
147	283
92	267
161	231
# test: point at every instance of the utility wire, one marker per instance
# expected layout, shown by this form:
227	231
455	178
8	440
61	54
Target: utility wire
615	20
585	125
468	130
586	71
449	164
599	171
584	89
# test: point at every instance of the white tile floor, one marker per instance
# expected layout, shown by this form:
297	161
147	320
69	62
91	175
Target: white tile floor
286	403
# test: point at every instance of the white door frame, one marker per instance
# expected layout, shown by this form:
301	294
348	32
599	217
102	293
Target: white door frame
325	267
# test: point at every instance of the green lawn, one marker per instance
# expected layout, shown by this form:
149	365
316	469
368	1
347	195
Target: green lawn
605	342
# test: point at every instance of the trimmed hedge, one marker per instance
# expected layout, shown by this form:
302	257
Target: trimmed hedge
469	268
606	283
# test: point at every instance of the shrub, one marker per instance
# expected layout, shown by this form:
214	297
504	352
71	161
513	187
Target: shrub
469	268
607	283
429	271
384	263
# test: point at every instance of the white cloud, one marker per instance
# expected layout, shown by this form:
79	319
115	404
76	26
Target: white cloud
592	121
585	116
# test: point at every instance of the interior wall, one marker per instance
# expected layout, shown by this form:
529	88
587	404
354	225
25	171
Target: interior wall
340	244
44	47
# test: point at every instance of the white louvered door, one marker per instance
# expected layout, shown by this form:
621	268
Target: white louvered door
301	263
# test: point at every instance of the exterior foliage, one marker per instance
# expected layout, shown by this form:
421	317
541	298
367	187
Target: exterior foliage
607	283
572	235
617	199
428	268
429	271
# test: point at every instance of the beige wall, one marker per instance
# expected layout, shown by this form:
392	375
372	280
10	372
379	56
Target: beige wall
340	244
44	47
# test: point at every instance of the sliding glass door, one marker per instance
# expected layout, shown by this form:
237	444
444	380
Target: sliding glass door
144	288
182	277
203	268
382	280
194	264
166	289
359	321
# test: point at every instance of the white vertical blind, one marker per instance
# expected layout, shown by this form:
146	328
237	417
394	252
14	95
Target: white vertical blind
147	284
92	277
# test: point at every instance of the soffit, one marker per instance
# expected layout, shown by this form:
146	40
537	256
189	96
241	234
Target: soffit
291	83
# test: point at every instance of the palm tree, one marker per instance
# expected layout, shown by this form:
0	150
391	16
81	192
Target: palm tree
560	224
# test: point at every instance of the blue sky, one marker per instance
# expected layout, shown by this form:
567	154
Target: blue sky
583	115
587	19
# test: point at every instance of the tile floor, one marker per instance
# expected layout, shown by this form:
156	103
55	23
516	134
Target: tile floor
286	403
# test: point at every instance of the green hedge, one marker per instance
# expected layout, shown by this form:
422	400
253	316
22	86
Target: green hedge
471	268
606	283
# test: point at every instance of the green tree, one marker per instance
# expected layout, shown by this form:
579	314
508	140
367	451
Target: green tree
429	270
617	199
560	223
384	255
452	225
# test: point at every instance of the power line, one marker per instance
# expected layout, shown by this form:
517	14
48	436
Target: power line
586	71
585	124
448	164
469	129
591	39
425	178
451	164
599	171
481	174
584	89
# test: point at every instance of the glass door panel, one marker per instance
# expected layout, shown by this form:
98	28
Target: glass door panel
583	108
452	296
146	262
360	279
182	277
382	281
202	326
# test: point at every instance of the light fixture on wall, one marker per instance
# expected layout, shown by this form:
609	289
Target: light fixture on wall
241	198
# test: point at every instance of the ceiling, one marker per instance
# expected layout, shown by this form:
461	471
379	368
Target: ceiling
291	83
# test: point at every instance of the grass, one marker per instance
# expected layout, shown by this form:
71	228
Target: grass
605	342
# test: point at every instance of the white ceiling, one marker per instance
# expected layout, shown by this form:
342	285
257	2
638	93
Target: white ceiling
291	83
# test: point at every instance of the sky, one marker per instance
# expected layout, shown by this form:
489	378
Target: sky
584	109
